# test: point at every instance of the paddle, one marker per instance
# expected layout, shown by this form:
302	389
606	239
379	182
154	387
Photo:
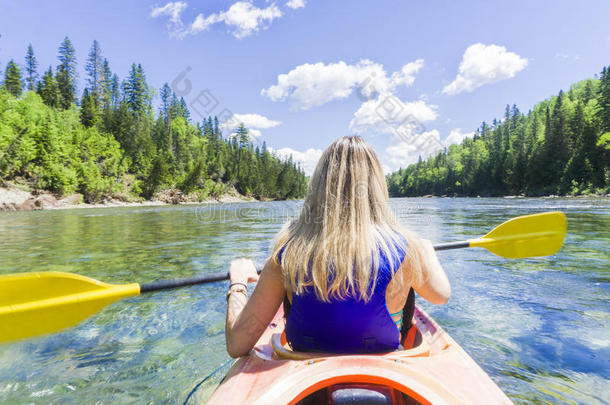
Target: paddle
33	304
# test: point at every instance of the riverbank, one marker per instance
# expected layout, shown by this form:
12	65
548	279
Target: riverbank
16	198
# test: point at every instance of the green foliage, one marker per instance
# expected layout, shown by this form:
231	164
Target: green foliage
113	145
55	151
12	79
191	182
604	141
88	109
48	89
556	148
158	177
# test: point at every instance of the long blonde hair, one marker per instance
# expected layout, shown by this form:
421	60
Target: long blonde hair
345	221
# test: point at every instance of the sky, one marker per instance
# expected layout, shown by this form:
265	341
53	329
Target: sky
411	77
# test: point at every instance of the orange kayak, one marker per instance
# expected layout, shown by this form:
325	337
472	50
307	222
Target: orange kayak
434	370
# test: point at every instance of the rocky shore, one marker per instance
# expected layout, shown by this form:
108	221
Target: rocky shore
13	198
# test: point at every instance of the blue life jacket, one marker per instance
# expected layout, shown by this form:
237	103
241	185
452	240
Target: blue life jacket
350	325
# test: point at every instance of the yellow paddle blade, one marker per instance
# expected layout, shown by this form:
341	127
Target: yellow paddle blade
33	304
526	236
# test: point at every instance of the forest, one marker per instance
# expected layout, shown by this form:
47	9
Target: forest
109	142
560	147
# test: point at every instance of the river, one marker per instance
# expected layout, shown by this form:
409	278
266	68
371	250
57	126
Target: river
540	327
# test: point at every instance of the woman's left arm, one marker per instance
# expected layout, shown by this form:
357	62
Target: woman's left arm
248	318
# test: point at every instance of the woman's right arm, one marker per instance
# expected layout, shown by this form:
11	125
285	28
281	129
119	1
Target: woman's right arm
434	286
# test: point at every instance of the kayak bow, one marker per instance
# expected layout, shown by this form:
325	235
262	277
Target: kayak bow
435	370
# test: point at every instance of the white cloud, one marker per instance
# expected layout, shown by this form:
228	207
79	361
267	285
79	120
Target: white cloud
401	153
294	4
388	114
484	64
404	151
308	159
456	136
242	18
246	19
173	10
202	23
313	84
254	123
406	75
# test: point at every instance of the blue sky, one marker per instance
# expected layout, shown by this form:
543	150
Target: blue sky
301	73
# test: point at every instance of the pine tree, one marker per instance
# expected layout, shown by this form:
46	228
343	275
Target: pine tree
174	107
89	115
95	70
135	134
48	90
136	93
106	85
184	110
241	136
66	74
31	65
166	94
559	133
115	91
216	128
12	79
604	99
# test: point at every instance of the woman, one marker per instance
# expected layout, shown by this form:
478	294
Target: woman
345	265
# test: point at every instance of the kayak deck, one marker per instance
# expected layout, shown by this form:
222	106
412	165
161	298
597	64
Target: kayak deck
436	371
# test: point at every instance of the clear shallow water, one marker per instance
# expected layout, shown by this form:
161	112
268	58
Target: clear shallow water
540	327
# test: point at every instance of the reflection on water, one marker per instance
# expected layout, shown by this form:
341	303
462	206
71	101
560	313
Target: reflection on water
539	326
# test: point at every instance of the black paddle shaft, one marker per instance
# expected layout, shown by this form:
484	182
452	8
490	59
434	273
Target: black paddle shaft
452	245
181	282
184	282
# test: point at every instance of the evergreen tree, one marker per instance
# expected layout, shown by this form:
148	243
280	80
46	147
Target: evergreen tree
241	135
89	115
556	141
604	99
31	66
12	79
184	110
106	86
166	94
134	114
115	91
136	93
66	74
96	69
48	90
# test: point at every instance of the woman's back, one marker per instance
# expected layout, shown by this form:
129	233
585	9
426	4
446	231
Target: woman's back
347	325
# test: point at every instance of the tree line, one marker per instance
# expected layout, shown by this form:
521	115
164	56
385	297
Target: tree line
561	146
110	142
